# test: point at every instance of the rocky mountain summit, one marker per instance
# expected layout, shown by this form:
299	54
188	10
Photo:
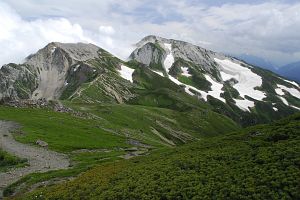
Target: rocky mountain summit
54	63
57	71
43	74
179	49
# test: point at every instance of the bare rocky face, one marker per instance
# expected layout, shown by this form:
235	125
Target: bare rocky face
44	73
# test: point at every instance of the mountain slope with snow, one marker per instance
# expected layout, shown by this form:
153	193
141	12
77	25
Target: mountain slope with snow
219	80
160	72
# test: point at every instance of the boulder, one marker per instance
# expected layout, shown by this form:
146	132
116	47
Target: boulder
42	143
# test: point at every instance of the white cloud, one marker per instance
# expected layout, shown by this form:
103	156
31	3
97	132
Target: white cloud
268	30
19	38
109	30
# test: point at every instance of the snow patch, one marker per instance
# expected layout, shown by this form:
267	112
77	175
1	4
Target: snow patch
53	49
185	72
168	46
279	91
244	104
169	59
126	73
76	68
294	92
274	108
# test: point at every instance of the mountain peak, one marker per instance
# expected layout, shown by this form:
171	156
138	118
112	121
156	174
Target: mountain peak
77	51
152	39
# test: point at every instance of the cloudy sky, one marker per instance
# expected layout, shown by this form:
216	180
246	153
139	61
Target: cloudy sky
268	29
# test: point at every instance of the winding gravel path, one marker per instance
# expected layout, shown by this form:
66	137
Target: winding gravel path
39	159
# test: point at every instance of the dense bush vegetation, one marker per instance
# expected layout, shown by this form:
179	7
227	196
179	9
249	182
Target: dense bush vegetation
260	162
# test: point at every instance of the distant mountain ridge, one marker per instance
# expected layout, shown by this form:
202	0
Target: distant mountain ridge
290	71
257	61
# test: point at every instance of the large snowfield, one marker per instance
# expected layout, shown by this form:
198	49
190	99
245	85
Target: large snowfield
246	85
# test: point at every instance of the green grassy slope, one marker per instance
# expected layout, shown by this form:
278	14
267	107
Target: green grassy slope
61	131
8	161
112	130
67	134
138	122
259	162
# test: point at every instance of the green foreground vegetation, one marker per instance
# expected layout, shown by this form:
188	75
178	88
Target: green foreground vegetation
107	133
260	162
63	133
8	161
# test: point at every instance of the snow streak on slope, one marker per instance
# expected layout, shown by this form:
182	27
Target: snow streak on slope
295	107
126	72
291	82
292	91
159	73
247	82
76	68
168	64
188	87
284	100
169	59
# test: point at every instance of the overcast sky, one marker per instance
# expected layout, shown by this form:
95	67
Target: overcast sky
268	29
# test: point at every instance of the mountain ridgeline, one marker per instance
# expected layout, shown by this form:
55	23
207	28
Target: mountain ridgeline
160	72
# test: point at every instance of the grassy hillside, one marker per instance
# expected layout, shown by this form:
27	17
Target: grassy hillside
110	132
7	161
63	132
259	162
139	122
